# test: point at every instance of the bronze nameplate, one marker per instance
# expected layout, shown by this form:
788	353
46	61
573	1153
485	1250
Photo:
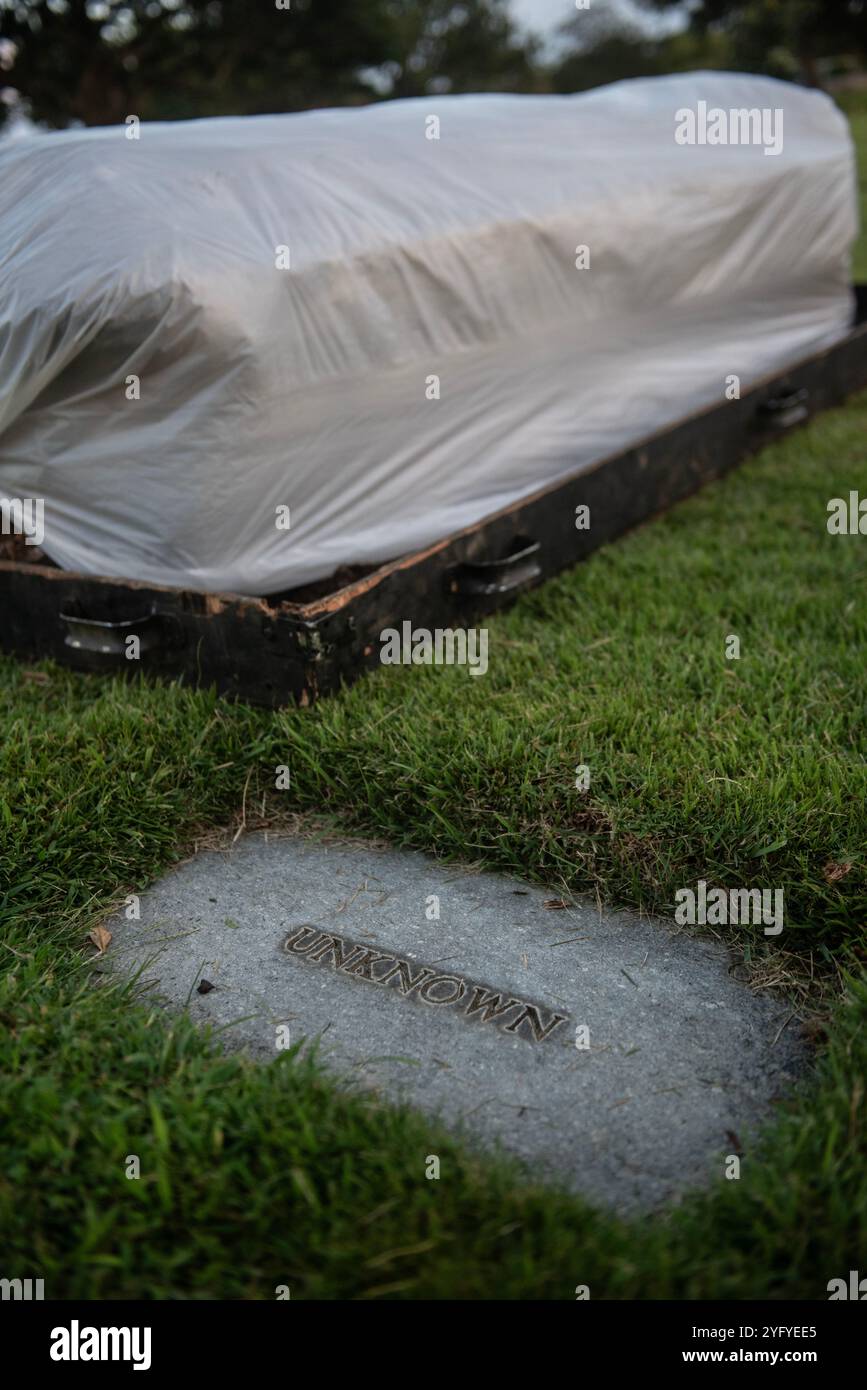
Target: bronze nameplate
424	983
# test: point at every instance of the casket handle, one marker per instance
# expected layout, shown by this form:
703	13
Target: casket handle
509	574
109	638
787	409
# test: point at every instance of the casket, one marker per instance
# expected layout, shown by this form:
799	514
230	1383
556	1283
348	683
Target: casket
277	382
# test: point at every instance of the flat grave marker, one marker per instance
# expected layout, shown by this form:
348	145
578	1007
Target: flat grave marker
603	1049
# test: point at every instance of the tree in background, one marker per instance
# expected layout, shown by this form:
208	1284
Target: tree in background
602	46
471	46
785	38
96	61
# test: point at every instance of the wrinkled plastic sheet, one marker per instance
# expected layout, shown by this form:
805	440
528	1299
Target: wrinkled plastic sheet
424	350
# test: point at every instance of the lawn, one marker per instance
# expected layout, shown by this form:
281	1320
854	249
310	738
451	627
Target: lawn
857	117
747	772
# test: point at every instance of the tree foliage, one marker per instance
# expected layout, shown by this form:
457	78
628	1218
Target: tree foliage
786	38
96	61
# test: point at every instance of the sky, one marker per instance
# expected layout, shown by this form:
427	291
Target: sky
544	16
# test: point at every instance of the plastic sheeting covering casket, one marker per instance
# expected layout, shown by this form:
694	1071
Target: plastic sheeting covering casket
390	334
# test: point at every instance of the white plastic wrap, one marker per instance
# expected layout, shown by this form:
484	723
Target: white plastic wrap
417	266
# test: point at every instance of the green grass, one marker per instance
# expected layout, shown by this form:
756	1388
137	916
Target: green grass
253	1177
743	772
858	121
